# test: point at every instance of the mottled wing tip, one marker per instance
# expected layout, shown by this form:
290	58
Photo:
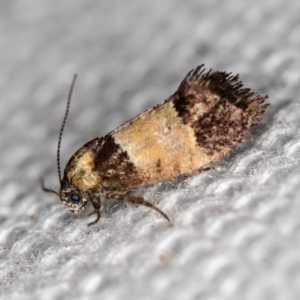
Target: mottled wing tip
226	86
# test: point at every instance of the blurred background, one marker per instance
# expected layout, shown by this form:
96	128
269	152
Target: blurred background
235	233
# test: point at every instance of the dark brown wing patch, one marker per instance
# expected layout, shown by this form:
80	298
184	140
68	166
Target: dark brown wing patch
117	171
217	107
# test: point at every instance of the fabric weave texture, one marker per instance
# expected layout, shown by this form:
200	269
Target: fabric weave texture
235	227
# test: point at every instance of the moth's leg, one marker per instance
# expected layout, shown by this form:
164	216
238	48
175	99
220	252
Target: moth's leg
96	201
141	201
198	171
204	169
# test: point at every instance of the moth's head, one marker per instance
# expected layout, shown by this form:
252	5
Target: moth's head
73	198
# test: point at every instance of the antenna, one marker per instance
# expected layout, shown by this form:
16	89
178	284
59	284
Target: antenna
63	126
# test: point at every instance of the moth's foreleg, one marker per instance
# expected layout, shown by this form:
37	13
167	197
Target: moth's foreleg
97	205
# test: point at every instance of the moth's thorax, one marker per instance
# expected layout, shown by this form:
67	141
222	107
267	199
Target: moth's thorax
80	170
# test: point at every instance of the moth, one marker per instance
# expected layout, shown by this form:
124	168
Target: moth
196	126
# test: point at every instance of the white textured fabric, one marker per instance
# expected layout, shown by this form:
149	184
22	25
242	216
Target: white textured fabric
235	231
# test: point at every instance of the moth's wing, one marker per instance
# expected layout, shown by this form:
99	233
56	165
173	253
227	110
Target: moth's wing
200	123
223	86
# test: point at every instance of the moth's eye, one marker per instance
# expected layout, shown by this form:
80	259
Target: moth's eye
74	198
